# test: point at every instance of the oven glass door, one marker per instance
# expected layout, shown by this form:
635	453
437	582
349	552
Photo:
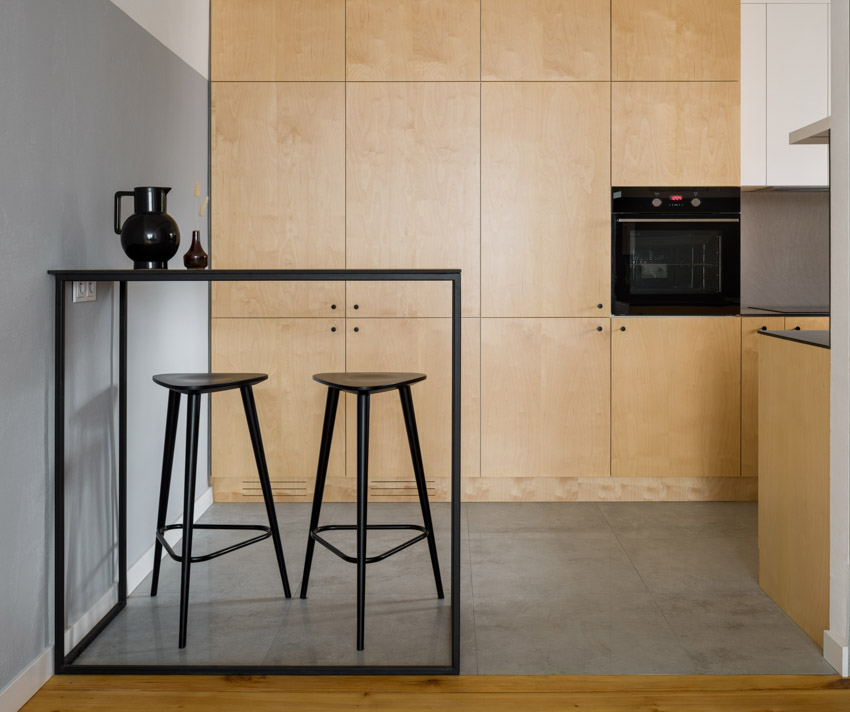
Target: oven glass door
677	261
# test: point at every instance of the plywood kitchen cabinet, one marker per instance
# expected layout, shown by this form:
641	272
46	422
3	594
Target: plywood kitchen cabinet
546	230
420	345
545	40
545	398
413	178
750	326
784	86
290	404
675	133
277	40
794	480
676	397
278	175
675	40
426	40
806	323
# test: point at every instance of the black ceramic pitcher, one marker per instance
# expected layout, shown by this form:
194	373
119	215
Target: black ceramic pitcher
150	237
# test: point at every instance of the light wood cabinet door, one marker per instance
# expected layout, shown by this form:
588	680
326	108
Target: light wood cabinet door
421	345
676	40
546	40
750	327
806	323
414	40
676	397
753	94
277	40
545	200
290	404
413	178
545	397
278	175
675	133
278	299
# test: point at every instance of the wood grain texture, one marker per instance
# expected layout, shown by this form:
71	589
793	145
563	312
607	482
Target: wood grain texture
278	299
676	397
545	202
424	346
675	133
399	299
484	693
278	175
290	404
807	323
546	40
337	489
794	480
750	326
277	40
415	40
413	179
545	398
676	40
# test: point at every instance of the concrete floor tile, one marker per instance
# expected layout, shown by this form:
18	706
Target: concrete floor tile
659	520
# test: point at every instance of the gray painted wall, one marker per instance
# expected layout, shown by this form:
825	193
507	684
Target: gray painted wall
91	103
784	248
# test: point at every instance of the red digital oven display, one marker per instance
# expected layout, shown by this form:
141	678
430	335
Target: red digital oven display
676	197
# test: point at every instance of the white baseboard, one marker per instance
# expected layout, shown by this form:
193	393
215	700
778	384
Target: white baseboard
29	681
836	653
144	565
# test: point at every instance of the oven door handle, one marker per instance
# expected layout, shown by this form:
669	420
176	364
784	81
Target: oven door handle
678	220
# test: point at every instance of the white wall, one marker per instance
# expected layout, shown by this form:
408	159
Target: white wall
181	25
836	639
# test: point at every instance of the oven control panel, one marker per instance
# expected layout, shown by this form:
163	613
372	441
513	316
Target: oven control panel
676	200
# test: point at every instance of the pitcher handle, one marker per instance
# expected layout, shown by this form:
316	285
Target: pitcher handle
120	194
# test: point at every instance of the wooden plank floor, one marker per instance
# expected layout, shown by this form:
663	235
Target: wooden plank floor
698	693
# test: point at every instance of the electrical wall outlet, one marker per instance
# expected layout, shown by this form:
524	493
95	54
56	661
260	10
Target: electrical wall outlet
85	292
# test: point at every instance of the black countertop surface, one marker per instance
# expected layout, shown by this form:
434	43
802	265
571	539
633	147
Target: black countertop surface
785	311
817	337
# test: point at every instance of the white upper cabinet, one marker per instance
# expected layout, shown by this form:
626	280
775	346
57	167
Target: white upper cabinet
784	86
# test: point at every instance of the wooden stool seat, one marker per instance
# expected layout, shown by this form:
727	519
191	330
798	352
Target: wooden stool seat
368	381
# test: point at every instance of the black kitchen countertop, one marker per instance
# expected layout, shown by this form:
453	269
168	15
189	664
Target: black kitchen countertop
814	337
785	311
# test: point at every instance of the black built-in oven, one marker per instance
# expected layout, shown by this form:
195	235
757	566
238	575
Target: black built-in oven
676	250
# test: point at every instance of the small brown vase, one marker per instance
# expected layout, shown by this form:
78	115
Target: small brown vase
196	258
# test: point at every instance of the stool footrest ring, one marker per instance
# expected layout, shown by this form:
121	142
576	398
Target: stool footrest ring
267	532
314	534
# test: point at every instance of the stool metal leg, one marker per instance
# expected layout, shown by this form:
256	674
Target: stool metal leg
193	419
165	481
419	474
362	500
321	476
265	483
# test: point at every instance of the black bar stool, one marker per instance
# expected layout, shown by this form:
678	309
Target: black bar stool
365	385
194	385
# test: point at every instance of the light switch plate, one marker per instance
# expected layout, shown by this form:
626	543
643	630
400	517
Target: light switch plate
85	292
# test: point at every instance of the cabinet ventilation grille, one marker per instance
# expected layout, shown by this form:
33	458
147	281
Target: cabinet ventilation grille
280	488
397	488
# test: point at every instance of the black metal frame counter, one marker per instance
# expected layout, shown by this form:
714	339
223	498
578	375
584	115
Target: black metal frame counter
815	337
64	661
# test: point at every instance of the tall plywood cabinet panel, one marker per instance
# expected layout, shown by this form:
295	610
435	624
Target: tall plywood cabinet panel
797	91
675	133
413	178
546	40
278	175
290	403
416	40
676	397
277	40
675	40
753	94
545	397
545	240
